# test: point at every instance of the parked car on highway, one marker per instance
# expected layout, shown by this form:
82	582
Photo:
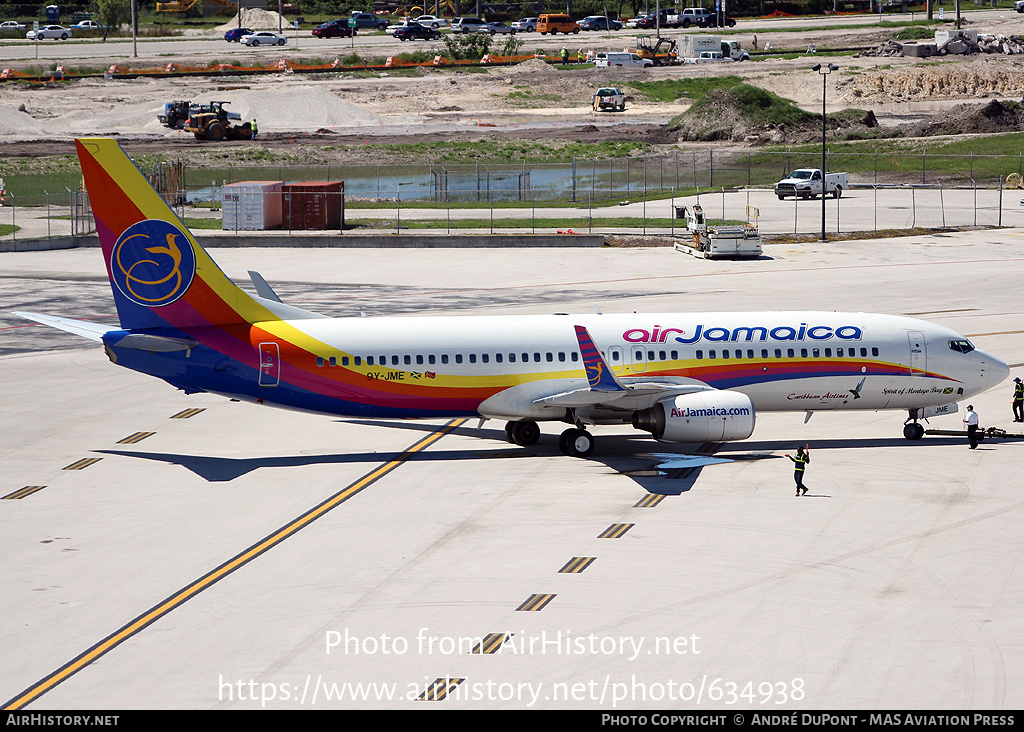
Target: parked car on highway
12	25
235	34
369	20
432	21
334	29
467	25
49	31
412	31
525	25
1018	6
599	22
88	25
496	27
554	22
264	38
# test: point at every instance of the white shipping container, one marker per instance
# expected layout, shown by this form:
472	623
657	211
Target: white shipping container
251	205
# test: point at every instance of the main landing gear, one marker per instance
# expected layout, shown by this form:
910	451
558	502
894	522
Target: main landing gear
574	442
523	432
911	429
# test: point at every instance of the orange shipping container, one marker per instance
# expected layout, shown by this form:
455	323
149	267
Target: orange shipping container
315	205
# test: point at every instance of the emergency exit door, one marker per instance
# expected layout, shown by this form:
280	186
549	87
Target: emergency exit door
270	364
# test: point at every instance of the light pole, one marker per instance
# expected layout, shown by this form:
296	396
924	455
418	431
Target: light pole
824	71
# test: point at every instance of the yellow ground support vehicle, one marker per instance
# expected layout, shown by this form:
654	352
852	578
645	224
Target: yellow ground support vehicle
215	125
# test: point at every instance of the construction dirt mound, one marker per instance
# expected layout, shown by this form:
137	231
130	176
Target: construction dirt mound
976	79
255	19
968	119
752	115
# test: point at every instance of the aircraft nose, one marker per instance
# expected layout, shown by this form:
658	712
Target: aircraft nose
993	367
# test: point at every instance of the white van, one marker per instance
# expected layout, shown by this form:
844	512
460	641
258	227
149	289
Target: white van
622	59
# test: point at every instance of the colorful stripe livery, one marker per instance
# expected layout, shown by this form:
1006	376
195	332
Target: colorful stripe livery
183	320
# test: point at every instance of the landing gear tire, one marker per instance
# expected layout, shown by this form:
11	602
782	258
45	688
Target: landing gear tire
576	443
913	431
524	432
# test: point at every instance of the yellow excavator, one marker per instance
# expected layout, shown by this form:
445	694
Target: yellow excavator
645	48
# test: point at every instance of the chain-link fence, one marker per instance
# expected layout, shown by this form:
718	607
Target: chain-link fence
628	195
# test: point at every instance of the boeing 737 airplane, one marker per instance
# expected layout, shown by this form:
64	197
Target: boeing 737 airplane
683	377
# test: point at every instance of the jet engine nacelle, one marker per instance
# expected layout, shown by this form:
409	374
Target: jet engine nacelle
704	416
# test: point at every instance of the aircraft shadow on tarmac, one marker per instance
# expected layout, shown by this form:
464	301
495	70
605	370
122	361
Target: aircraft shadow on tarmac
658	473
661	473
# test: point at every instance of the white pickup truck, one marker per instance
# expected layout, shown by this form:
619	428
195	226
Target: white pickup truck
807	183
708	57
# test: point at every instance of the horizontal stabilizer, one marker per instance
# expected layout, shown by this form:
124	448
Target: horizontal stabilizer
92	331
155	343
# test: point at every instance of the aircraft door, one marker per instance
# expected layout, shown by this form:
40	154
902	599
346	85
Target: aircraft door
270	364
918	352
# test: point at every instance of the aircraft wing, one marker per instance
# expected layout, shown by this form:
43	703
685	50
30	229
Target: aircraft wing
92	331
635	395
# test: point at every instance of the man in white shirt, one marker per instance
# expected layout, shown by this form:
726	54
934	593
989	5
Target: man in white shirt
971	420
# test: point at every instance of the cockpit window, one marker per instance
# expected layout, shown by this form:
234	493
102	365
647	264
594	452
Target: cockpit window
964	346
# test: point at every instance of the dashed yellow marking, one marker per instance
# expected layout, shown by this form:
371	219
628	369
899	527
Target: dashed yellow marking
576	565
491	643
137	437
649	501
615	531
156	612
1001	332
186	413
441	688
535	603
22	492
82	464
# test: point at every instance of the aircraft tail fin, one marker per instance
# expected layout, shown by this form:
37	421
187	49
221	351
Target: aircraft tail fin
160	275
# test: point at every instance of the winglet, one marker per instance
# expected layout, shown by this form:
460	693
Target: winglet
599	375
262	288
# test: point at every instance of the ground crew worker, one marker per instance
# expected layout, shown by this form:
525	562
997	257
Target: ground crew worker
800	462
1018	400
254	128
971	420
565	56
